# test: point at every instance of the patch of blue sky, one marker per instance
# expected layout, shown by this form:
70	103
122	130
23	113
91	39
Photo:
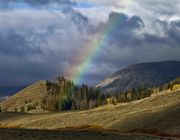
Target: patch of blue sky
14	5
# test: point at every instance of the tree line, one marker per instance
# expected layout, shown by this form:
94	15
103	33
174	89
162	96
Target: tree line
134	94
63	95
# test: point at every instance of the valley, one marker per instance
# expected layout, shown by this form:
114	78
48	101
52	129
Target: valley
157	115
89	70
62	110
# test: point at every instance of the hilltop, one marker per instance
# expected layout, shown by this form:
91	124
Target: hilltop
152	74
30	96
58	95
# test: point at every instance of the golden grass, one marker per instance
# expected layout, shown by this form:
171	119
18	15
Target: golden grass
35	93
155	112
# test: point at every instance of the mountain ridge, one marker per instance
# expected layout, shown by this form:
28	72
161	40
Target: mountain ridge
150	74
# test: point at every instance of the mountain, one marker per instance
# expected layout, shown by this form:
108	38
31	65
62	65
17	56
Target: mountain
31	95
151	74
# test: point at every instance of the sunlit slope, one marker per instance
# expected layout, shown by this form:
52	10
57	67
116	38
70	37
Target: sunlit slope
159	112
163	119
28	96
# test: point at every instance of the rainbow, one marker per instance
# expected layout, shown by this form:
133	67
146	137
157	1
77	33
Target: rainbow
91	50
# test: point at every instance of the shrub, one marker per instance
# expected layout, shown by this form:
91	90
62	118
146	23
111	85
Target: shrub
114	101
22	109
30	107
26	101
15	109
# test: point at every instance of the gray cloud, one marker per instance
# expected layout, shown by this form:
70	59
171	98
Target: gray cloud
40	44
124	28
77	18
126	46
13	44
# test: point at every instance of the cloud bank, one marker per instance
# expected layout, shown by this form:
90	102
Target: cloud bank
42	39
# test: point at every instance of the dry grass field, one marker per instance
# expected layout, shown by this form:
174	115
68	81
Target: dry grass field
32	95
158	115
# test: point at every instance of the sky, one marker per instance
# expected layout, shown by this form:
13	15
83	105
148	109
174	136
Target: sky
84	40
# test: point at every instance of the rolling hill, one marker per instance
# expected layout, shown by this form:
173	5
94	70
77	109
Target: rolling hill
29	96
153	74
156	115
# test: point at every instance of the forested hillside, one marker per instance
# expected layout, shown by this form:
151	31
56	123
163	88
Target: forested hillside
63	94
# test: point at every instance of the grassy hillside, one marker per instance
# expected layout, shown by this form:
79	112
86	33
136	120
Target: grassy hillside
158	114
31	95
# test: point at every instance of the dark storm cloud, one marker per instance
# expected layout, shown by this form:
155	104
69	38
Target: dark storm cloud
22	71
129	43
77	18
14	44
125	21
174	31
22	62
171	36
42	51
176	23
126	32
123	32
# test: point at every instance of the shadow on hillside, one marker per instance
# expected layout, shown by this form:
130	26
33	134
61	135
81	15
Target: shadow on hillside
163	123
72	134
10	115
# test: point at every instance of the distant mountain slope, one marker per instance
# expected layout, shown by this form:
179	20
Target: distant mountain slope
144	74
28	96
